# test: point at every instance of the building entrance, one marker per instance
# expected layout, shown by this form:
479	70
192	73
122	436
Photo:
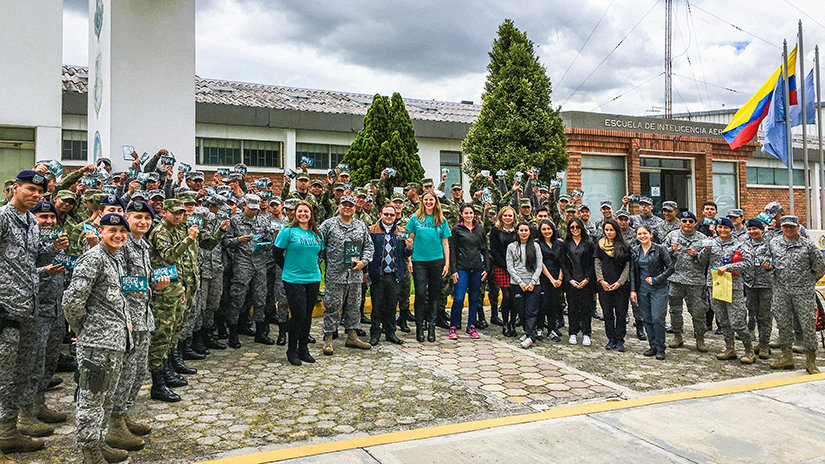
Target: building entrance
666	179
16	151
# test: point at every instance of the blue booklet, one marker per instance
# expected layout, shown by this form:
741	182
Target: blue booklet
67	261
50	234
134	284
168	271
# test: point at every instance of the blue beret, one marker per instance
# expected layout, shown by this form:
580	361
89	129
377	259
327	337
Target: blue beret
755	223
724	222
43	207
31	177
687	215
140	207
112	200
114	219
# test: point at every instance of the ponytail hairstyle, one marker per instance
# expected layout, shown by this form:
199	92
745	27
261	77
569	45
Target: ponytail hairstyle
530	257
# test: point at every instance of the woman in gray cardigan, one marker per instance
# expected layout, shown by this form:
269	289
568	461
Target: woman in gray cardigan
524	266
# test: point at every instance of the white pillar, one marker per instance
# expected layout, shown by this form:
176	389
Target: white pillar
141	78
290	150
31	54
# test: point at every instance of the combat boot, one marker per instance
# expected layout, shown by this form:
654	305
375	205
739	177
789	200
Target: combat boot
113	455
749	356
354	342
211	342
700	344
764	350
160	391
172	378
729	353
220	325
677	341
281	341
328	350
29	424
187	353
198	345
177	364
785	361
810	362
119	436
12	441
49	416
233	337
137	428
261	328
93	456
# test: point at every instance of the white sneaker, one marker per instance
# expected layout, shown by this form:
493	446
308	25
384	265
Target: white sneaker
585	340
527	342
572	340
523	336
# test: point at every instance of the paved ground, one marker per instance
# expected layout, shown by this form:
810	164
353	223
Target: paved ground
251	399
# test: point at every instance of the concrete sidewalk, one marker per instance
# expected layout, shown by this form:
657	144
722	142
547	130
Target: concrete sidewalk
780	424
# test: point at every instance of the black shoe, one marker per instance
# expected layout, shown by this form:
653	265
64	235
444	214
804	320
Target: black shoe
160	391
431	334
365	319
374	339
392	338
359	332
66	363
293	358
419	332
53	383
517	321
494	319
482	324
310	339
245	329
335	335
660	354
233	337
402	325
171	378
281	341
669	329
640	333
511	329
651	352
305	356
220	325
260	334
211	342
198	345
188	353
560	324
177	364
408	317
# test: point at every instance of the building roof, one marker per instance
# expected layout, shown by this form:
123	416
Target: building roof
75	80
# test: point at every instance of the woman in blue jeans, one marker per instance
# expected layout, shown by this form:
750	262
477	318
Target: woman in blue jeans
650	266
429	233
468	264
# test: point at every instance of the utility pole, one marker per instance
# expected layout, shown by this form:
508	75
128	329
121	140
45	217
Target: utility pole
668	59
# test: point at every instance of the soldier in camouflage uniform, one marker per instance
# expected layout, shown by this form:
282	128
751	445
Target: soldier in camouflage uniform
740	232
759	289
583	213
797	265
606	208
78	238
249	239
686	282
733	316
670	223
646	217
19	247
316	188
211	270
276	302
96	310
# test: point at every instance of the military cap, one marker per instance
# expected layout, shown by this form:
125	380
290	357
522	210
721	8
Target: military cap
155	193
8	183
275	199
153	177
97	197
43	207
48	175
789	221
646	201
338	186
755	223
186	197
291	203
138	194
302	176
89	195
456	186
736	212
195	175
543	188
570	208
583	206
31	177
234	177
606	203
686	215
105	161
524	202
140	207
360	192
173	205
622	213
66	195
427	182
347	199
724	222
564	197
344	173
670	206
477	208
112	200
493	209
773	208
114	219
412	185
252	201
398	197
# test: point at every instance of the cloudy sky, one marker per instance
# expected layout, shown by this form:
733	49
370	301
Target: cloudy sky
723	50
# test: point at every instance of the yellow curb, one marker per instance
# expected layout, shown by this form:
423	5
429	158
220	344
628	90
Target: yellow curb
471	426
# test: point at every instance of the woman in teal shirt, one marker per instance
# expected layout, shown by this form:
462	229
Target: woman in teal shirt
430	260
296	251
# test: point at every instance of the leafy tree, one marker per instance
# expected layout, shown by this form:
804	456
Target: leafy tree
517	128
387	140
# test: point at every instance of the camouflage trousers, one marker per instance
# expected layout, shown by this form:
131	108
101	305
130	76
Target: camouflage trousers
275	295
49	337
133	373
759	311
98	374
168	311
404	294
209	300
248	281
446	290
692	296
188	311
800	303
733	316
17	350
342	298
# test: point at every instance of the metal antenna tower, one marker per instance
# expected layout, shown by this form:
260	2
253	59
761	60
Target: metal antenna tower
668	59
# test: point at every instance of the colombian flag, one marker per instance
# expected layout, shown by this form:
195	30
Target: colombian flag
742	128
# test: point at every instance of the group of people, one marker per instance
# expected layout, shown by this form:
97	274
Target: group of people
148	269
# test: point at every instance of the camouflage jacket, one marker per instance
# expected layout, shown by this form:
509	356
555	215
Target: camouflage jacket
50	288
652	221
169	245
210	262
667	227
19	247
759	277
93	303
687	270
136	263
364	216
798	264
336	234
725	249
77	238
245	253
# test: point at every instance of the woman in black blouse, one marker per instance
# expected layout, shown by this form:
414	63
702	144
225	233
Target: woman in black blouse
612	265
579	277
552	280
503	234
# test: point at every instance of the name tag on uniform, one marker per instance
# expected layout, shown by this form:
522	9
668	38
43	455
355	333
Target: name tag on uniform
168	271
65	260
133	284
50	234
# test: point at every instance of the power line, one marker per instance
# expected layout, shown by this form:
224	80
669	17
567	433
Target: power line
710	84
692	27
627	92
611	52
806	14
578	53
737	27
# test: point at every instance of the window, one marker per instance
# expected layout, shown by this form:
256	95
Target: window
451	161
75	146
229	152
603	178
725	186
775	176
323	156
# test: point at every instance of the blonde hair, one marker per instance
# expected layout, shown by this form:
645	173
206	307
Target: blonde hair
421	214
501	213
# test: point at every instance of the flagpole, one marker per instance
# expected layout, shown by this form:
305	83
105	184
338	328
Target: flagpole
819	132
801	88
788	141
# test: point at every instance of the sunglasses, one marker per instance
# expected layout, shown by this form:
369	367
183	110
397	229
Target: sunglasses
575	227
687	221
